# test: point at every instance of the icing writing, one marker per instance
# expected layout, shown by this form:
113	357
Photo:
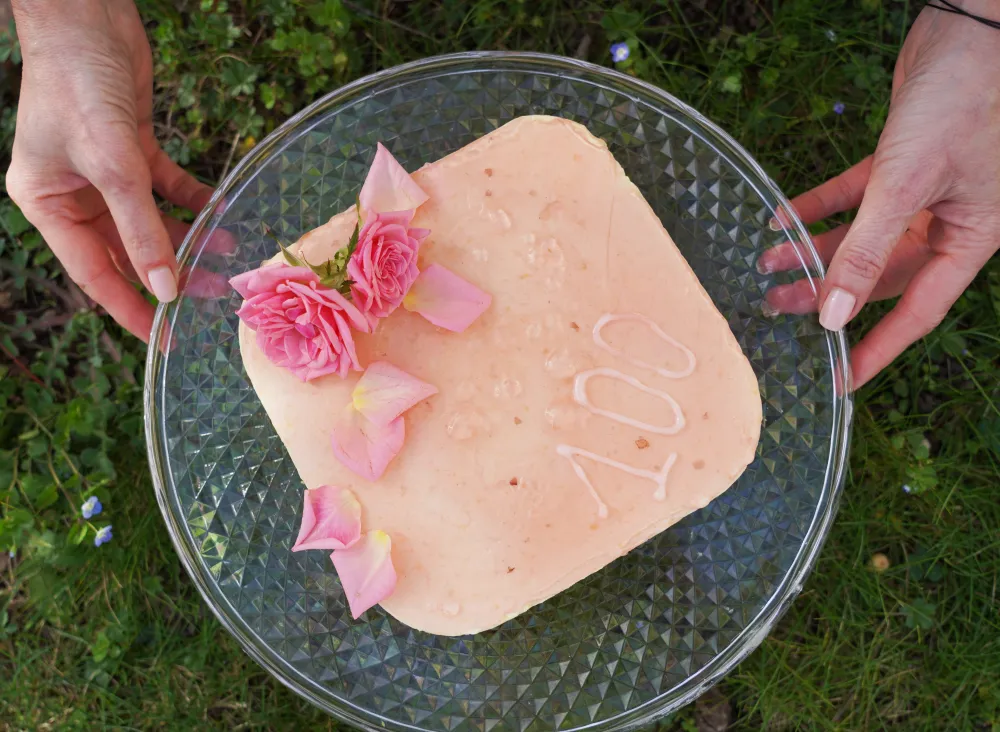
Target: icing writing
611	318
571	453
581	398
659	476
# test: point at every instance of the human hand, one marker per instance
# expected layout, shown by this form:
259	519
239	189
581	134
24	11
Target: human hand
929	198
85	160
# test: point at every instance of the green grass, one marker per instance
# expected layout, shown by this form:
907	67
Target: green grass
117	638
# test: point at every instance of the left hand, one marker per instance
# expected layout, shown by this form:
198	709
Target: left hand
85	161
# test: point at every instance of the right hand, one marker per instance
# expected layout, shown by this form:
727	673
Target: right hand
85	161
929	198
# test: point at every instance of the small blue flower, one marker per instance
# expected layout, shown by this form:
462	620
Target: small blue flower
839	108
91	507
831	35
12	553
103	536
619	52
907	488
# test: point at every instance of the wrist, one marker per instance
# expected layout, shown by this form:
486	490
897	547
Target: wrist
988	9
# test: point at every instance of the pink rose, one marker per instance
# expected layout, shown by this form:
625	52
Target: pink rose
384	265
300	325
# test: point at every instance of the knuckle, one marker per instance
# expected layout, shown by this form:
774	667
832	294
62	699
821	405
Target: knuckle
864	262
146	249
114	161
119	172
844	189
18	189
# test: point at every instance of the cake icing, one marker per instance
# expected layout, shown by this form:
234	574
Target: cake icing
599	399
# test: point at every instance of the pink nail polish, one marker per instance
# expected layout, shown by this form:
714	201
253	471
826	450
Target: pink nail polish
837	309
163	283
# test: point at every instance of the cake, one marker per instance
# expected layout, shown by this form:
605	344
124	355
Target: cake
595	398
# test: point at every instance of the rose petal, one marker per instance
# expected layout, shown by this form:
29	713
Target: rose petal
363	446
266	278
446	299
331	519
384	392
388	186
366	571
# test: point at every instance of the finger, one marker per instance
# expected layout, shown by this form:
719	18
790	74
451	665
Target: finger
177	185
176	230
894	196
105	227
841	193
786	257
924	304
910	256
87	261
798	298
121	174
204	284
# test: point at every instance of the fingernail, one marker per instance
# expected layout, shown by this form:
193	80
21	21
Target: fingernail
764	266
774	224
162	283
768	310
837	309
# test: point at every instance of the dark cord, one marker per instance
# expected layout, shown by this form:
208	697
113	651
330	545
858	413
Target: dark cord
949	7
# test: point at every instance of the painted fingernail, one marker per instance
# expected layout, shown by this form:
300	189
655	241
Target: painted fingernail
837	309
163	283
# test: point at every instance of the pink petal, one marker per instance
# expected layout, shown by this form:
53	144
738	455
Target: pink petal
366	571
384	392
446	299
388	186
364	447
331	519
266	278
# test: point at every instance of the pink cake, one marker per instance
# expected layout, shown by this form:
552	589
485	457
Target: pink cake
597	400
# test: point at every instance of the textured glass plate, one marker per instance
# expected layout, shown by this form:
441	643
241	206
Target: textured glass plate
636	640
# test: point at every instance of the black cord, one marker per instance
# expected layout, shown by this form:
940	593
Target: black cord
949	7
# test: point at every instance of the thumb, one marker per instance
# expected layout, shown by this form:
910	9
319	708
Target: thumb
894	196
118	169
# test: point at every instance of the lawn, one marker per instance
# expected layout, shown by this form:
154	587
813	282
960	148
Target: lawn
898	626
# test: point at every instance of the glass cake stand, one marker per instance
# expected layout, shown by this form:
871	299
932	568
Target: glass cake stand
627	645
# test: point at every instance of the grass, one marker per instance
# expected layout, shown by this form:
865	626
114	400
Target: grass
117	638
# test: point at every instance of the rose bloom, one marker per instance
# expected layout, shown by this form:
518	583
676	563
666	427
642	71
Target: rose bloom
384	264
300	325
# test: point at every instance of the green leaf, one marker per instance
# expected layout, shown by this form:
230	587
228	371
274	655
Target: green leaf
101	647
921	478
331	14
352	244
78	534
289	257
732	84
33	484
153	585
47	497
15	221
919	614
268	95
621	22
953	344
